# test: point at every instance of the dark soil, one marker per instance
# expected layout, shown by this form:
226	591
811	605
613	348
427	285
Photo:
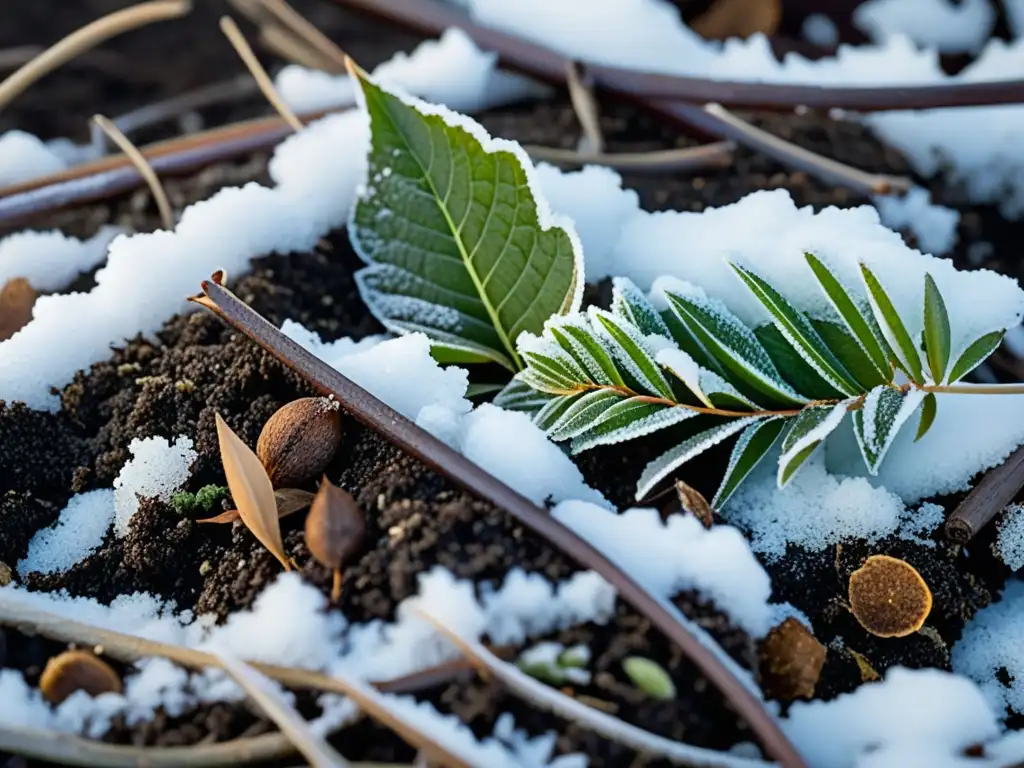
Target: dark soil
415	518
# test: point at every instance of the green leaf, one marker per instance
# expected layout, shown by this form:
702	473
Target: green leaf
517	395
583	414
928	412
855	320
554	409
792	366
459	245
629	303
631	352
754	443
629	419
798	331
649	677
668	462
887	317
936	329
976	353
734	347
576	337
851	354
458	355
876	423
480	389
805	433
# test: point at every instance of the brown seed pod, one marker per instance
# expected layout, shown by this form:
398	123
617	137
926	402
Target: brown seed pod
335	528
299	440
791	661
888	597
72	671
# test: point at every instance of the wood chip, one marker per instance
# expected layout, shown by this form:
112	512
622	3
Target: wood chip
16	301
791	661
738	18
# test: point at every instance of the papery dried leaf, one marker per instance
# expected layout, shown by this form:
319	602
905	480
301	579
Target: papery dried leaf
738	18
16	301
693	501
335	526
289	501
251	489
868	673
791	661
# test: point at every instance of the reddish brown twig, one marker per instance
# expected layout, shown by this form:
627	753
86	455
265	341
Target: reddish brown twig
429	17
997	488
439	456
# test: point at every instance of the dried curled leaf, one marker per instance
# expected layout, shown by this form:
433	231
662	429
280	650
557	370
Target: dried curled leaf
738	18
335	526
693	501
289	501
888	597
791	661
73	671
17	298
252	490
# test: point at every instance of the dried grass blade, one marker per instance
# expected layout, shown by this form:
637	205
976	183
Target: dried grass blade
314	748
251	489
289	501
544	696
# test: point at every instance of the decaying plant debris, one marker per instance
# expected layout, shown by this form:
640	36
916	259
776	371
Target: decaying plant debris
382	517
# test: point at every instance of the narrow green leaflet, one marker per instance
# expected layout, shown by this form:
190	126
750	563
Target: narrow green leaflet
629	303
851	314
936	330
734	347
795	326
629	419
670	461
583	414
977	351
574	335
793	367
553	410
457	242
876	423
887	318
518	395
630	350
928	412
482	389
805	433
851	354
754	443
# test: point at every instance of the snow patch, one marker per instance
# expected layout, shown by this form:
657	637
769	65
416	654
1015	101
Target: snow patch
78	532
50	260
992	642
1010	542
951	27
24	157
157	469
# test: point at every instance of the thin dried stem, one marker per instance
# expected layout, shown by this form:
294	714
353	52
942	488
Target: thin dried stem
87	37
545	697
143	167
581	94
234	34
726	125
689	159
283	43
965	388
336	581
268	698
989	497
300	27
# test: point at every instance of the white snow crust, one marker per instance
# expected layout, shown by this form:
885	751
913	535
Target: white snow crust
156	469
78	532
50	260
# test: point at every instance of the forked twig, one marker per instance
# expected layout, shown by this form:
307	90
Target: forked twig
543	696
990	496
724	673
234	34
142	165
87	37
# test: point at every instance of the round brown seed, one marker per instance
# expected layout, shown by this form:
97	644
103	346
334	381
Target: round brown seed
72	671
888	597
299	440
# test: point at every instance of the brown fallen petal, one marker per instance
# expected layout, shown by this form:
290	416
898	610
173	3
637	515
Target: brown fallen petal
251	489
791	661
738	18
16	301
289	501
72	671
299	440
888	597
693	501
868	674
